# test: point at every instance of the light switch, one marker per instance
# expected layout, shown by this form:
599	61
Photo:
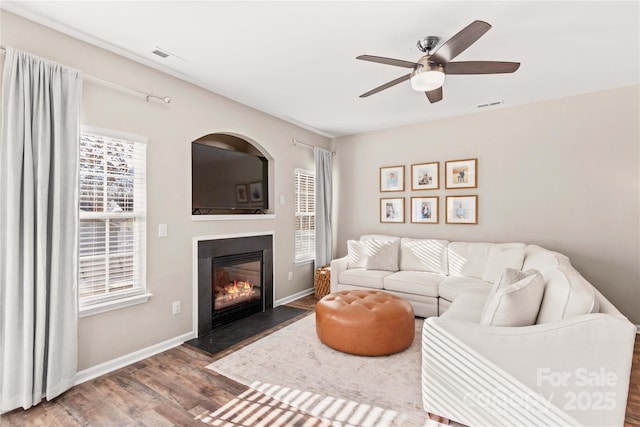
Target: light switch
282	200
162	230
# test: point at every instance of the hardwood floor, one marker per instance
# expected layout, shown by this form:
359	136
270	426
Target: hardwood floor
175	388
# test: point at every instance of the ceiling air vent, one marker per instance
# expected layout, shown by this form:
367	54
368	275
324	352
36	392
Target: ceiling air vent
490	104
160	53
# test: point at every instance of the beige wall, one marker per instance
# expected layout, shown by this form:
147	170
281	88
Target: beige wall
563	174
170	128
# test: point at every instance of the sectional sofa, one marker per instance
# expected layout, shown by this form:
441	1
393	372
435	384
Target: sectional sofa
514	335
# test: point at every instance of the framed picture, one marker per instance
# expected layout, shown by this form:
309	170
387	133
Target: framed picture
424	210
461	174
255	191
462	209
425	176
392	178
392	210
241	193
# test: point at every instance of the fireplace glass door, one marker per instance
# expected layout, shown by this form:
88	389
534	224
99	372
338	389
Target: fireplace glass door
236	287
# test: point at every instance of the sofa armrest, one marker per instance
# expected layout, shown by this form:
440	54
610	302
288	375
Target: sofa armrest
338	265
571	372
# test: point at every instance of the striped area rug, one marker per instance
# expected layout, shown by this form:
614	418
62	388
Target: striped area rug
298	381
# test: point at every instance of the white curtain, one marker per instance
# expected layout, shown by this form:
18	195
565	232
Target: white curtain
324	194
39	229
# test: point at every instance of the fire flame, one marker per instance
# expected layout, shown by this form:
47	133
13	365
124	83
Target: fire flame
238	289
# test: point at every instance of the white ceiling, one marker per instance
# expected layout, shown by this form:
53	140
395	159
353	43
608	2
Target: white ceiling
296	60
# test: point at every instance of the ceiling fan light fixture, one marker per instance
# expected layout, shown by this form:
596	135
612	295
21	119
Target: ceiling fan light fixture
426	78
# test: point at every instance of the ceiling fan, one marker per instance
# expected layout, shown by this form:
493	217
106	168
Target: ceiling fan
429	72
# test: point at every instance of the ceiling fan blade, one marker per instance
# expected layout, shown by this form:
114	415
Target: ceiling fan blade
481	67
458	43
386	85
434	95
388	61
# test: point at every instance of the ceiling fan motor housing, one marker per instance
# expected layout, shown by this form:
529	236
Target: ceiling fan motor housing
427	75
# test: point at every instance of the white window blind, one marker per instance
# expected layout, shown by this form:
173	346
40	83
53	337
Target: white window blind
113	209
305	216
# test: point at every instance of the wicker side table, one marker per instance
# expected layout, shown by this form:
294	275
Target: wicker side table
322	281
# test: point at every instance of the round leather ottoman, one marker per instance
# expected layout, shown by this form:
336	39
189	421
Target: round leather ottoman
366	322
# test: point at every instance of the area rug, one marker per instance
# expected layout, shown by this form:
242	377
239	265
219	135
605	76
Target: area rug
293	367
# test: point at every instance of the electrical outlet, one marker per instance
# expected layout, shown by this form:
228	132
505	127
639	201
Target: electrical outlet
291	275
176	307
162	230
282	200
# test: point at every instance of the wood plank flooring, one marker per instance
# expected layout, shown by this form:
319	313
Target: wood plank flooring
174	388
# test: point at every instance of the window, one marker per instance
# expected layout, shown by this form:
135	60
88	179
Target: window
112	247
305	219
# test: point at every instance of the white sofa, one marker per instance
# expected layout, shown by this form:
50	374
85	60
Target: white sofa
567	362
429	273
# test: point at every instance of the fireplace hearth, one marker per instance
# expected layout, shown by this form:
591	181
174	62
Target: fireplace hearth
235	279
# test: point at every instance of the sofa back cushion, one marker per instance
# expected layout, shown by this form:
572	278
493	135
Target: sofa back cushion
356	254
502	256
541	259
566	294
468	258
428	255
381	237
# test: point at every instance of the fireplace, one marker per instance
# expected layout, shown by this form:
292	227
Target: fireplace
235	279
236	286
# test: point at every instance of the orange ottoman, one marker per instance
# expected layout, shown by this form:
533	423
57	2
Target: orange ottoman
366	323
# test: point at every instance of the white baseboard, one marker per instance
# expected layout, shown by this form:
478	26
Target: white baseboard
128	359
293	297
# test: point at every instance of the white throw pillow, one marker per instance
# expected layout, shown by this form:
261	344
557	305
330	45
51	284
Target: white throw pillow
508	277
382	255
516	304
501	258
356	254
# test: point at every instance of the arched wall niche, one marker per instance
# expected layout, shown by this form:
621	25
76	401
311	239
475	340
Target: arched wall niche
234	142
230	174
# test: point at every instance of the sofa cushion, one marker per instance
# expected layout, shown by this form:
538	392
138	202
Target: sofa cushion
500	258
467	308
452	287
356	254
541	259
516	304
365	278
382	254
381	237
467	259
566	294
423	255
414	282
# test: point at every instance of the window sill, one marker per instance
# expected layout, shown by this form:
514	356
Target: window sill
113	305
303	262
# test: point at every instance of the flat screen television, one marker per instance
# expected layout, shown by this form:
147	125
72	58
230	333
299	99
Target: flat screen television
227	181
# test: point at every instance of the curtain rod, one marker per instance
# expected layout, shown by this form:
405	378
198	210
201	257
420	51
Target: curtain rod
296	142
148	96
